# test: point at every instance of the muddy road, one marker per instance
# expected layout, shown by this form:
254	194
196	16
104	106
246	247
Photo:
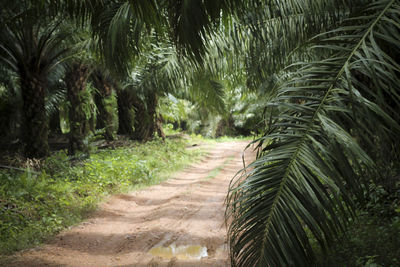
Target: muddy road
179	222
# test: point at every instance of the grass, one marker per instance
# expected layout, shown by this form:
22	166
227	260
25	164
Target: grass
62	192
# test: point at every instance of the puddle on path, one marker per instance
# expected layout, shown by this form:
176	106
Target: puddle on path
180	252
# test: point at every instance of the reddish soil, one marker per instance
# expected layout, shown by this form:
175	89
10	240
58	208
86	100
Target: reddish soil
187	209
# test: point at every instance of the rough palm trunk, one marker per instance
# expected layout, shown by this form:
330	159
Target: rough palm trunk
145	125
35	126
159	128
76	85
54	124
103	100
126	114
225	127
151	103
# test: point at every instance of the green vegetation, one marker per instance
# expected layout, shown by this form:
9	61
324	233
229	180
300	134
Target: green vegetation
370	241
62	191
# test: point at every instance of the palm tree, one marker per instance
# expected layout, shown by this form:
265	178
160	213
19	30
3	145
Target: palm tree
143	88
33	45
334	108
76	78
126	112
105	85
33	51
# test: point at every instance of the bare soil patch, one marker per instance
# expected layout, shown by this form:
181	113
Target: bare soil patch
186	210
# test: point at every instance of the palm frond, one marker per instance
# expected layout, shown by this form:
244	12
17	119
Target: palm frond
191	21
25	46
275	31
54	99
121	25
119	34
207	92
312	165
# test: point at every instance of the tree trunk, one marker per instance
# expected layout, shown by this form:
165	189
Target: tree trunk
151	103
54	124
103	100
141	122
76	85
145	125
160	130
126	113
35	126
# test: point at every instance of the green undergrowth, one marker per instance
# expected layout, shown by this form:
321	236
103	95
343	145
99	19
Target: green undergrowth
35	205
373	238
369	242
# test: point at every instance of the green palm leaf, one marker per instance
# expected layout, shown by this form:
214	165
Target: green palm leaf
311	165
277	30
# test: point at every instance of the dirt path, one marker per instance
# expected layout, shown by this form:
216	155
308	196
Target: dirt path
186	210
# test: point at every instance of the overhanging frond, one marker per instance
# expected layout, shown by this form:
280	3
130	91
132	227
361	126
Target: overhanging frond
310	167
277	30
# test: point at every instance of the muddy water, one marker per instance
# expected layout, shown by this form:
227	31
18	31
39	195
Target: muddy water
180	252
